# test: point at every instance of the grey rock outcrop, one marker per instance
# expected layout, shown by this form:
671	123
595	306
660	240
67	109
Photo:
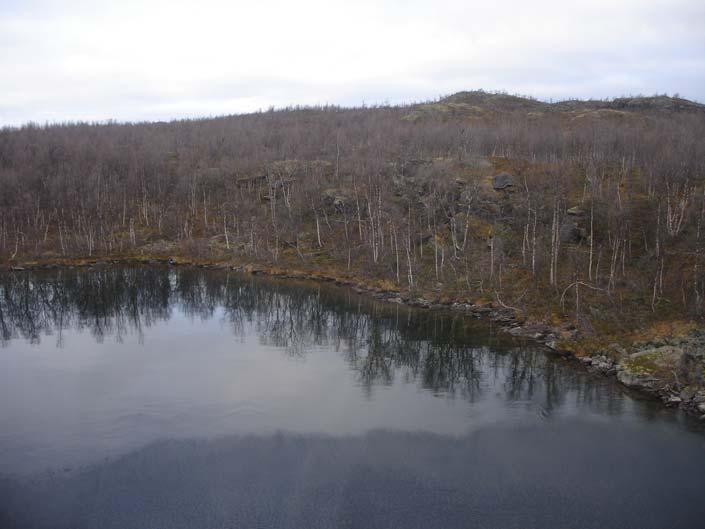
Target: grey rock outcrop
339	198
502	181
570	233
601	363
636	380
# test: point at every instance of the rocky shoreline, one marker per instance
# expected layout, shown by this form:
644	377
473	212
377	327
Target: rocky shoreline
671	369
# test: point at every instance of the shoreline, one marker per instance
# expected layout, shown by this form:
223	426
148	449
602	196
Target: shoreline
633	371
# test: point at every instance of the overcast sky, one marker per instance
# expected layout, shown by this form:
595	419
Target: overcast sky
153	60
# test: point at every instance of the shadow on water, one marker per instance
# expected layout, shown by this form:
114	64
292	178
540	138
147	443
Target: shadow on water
382	479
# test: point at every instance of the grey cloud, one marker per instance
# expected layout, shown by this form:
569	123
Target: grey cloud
78	60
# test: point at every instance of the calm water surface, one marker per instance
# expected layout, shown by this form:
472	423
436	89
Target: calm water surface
136	397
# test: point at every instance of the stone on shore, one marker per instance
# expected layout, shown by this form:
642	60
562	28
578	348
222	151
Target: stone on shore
650	369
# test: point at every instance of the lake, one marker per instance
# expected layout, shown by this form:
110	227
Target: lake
186	398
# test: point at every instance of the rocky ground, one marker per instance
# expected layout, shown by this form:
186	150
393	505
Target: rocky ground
671	369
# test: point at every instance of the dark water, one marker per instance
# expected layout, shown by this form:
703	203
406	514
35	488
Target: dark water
135	398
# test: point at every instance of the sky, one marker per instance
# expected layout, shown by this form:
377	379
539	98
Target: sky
79	60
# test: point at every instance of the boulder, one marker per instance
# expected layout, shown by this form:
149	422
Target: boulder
649	369
502	181
340	199
672	400
692	365
637	380
570	233
687	393
602	364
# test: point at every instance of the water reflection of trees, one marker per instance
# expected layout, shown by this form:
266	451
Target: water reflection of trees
107	302
443	352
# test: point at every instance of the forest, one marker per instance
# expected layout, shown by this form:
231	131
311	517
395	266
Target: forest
588	213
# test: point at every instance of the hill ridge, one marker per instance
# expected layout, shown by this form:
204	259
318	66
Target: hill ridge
501	101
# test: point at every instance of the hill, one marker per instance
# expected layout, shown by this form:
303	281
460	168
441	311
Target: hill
479	103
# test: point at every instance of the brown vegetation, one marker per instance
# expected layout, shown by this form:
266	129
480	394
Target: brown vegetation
598	222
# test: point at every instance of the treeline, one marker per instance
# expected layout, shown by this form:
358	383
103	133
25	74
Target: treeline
601	205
